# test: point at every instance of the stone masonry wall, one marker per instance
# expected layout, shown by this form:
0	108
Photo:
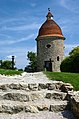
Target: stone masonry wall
55	50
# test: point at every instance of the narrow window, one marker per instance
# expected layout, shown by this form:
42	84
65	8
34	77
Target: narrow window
57	58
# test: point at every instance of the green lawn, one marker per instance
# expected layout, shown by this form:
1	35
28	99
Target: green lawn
72	78
10	72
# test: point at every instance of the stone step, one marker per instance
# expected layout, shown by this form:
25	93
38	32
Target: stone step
12	107
24	96
27	87
66	114
55	85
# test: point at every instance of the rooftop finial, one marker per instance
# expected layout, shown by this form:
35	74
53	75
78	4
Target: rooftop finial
49	9
49	15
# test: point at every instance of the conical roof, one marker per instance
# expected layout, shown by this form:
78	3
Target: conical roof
50	27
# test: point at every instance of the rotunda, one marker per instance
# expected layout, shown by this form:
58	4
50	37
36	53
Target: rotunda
50	45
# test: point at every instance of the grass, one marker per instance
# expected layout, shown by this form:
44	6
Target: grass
72	78
10	72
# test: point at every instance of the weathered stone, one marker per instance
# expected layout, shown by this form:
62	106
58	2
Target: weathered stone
33	87
36	96
14	86
4	87
43	107
69	95
59	107
24	86
42	86
75	106
51	86
0	108
58	84
17	109
11	109
16	97
6	109
56	95
31	108
21	86
66	87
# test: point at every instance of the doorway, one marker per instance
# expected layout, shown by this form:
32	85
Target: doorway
48	65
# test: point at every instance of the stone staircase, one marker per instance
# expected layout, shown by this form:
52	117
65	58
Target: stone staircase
31	95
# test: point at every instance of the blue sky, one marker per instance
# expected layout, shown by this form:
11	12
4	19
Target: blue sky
20	21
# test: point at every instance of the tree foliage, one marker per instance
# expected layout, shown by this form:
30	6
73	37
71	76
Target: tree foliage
74	51
32	57
71	63
6	64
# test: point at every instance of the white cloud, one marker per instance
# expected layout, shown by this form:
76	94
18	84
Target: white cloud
64	3
22	27
70	5
5	36
69	25
69	47
9	42
10	20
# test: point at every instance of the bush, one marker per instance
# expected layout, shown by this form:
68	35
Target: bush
70	64
65	65
6	64
20	69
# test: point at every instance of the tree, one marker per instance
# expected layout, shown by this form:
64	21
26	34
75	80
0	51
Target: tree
6	64
32	57
74	51
71	63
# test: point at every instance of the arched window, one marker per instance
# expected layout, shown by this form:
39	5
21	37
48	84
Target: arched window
57	58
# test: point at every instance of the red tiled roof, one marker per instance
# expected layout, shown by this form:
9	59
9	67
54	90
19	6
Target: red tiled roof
50	28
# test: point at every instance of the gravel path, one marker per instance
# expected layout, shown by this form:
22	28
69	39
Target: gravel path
38	77
28	78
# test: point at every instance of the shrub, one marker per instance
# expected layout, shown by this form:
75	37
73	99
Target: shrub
71	63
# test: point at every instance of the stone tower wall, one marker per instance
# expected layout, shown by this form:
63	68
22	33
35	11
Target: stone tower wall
45	53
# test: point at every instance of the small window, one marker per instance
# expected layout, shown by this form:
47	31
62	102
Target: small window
57	58
48	46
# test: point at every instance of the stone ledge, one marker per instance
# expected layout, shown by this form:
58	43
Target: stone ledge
75	105
12	107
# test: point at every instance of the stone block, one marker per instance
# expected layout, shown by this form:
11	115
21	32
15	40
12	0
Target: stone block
24	86
42	86
56	95
11	109
36	96
43	107
57	108
4	87
16	97
51	86
14	86
33	87
31	108
66	87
